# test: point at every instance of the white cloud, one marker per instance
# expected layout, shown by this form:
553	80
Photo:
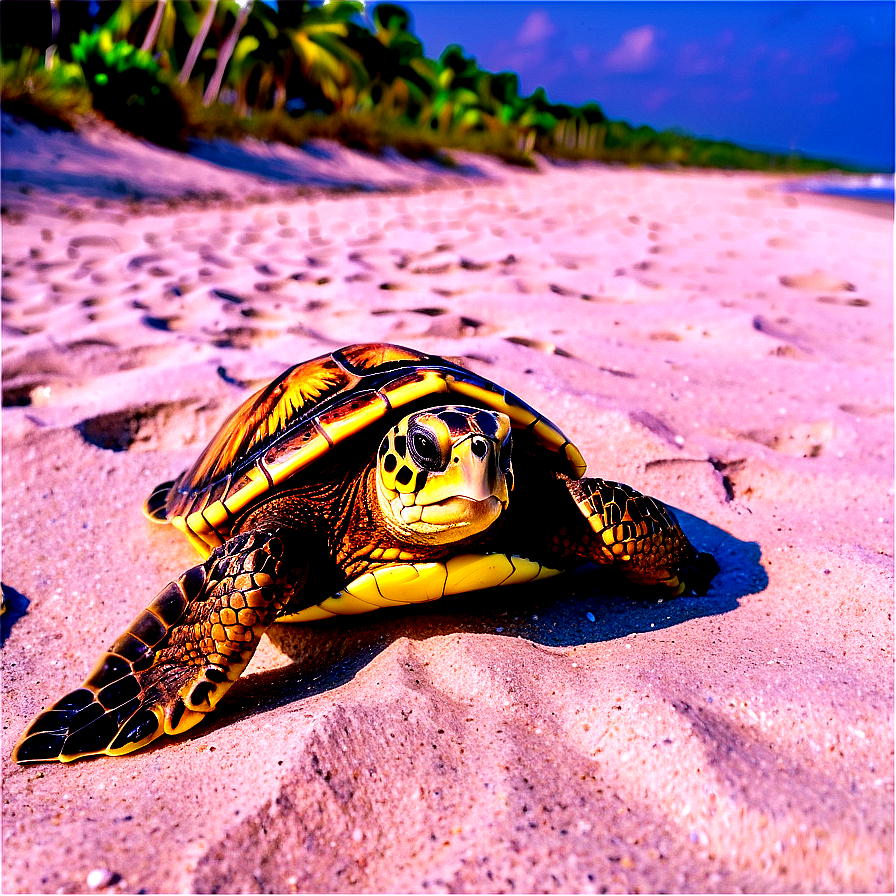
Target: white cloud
636	51
536	28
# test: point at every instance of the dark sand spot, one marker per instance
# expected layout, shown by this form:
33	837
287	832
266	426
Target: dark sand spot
11	330
455	326
231	297
817	281
242	337
655	425
792	348
433	269
615	371
210	257
231	380
160	323
539	345
664	336
789	351
139	261
798	440
95	241
866	410
20	395
44	267
359	259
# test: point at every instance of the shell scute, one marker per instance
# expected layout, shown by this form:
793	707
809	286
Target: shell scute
344	420
374	356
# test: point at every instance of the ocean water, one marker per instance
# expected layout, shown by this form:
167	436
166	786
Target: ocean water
876	187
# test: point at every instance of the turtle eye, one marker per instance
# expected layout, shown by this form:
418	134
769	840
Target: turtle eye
425	451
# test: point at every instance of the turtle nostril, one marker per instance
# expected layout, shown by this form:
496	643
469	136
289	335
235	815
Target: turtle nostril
479	447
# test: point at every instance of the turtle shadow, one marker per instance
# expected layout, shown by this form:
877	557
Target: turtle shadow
586	605
15	606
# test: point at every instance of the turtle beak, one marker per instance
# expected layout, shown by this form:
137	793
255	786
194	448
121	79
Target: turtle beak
473	469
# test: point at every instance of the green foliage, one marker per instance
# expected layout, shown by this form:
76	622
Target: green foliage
56	98
299	70
128	88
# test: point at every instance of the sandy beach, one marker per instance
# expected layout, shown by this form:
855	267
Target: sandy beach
703	336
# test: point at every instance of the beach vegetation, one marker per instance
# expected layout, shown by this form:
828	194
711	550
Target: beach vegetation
128	88
292	71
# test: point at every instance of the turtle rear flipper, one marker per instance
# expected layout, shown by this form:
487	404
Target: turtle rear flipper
176	659
154	506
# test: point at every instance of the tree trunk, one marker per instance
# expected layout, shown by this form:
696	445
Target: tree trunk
50	55
224	54
198	41
153	32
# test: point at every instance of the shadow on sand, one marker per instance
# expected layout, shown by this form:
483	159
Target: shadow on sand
15	606
111	174
554	613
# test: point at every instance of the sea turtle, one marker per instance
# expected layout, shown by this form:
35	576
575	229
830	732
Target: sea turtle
371	477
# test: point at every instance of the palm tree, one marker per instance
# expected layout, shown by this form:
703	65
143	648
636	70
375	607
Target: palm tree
226	51
153	31
50	55
198	41
326	60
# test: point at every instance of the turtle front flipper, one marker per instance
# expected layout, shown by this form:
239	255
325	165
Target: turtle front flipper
640	535
176	659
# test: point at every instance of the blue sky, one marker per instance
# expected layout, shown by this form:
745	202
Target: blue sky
817	77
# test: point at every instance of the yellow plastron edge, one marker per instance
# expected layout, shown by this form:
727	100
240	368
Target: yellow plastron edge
414	583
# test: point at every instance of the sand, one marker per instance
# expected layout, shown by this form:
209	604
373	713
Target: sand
701	335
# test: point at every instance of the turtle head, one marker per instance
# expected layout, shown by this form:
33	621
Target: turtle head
444	473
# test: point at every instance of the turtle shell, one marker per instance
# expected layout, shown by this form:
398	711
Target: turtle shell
309	409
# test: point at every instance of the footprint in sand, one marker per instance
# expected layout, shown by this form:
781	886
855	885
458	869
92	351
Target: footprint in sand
35	378
833	300
539	345
791	346
165	426
817	281
799	440
227	296
97	241
456	326
165	324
